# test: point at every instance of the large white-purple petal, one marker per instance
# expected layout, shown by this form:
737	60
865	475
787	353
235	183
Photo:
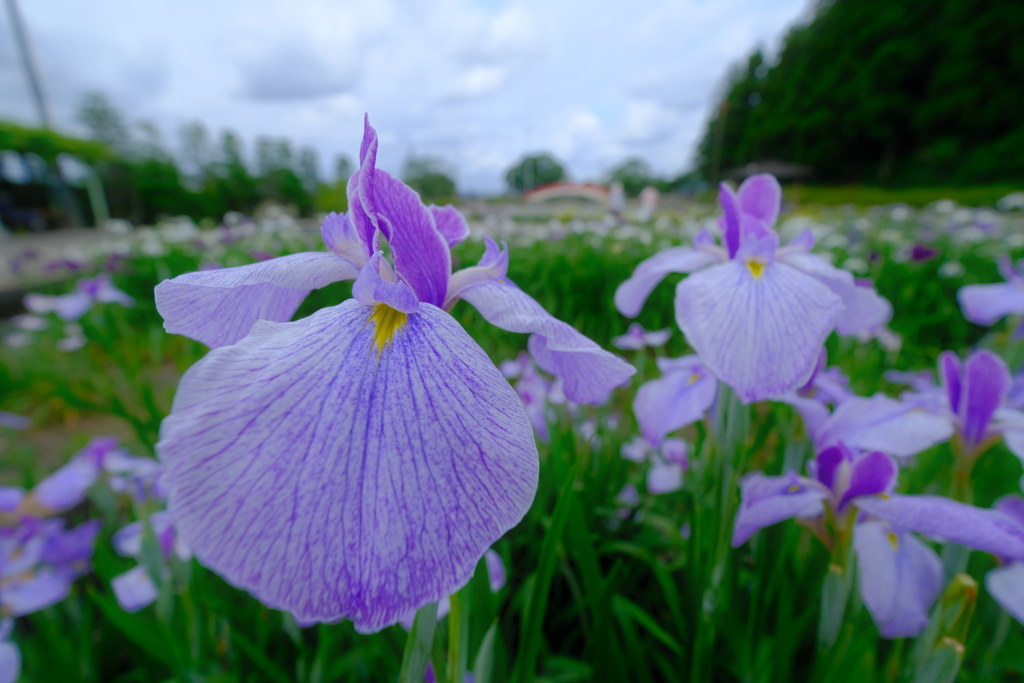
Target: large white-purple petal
882	423
631	294
900	577
333	483
761	334
588	372
218	307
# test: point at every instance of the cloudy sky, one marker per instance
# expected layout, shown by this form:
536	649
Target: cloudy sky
477	82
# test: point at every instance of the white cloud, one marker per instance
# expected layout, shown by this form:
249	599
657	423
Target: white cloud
477	82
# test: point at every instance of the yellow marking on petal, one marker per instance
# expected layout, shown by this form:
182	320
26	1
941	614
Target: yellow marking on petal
387	321
893	539
693	379
883	496
793	488
756	268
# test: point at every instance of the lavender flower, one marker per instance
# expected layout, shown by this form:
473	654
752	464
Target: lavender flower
986	304
357	463
63	489
681	396
668	462
900	575
71	307
13	421
637	338
757	315
135	589
38	561
974	398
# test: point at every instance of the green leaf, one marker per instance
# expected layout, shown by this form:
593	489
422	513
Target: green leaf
138	629
483	665
419	645
626	607
269	668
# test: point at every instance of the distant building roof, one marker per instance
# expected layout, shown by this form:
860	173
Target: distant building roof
564	190
779	169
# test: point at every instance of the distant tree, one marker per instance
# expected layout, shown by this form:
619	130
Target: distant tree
103	121
533	171
196	153
923	91
308	168
431	177
634	174
343	168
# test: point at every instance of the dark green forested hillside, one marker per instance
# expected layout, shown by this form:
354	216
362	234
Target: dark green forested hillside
884	92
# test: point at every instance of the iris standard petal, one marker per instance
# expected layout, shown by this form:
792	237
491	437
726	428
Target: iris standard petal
730	220
991	531
951	376
420	252
872	473
631	294
760	196
334	482
217	307
987	304
1006	585
341	237
370	288
673	401
884	424
769	500
588	372
863	308
450	223
760	334
900	577
986	381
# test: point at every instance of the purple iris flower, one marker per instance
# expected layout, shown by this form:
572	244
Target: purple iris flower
974	396
70	307
669	462
637	338
38	561
897	427
135	589
986	304
922	252
756	314
681	396
357	463
900	575
63	489
13	421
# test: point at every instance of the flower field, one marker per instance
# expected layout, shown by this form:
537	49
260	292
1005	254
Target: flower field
810	484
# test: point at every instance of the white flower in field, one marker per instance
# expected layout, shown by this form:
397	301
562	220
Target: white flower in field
1014	200
951	269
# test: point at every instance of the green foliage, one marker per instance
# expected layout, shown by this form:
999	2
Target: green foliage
49	144
598	590
534	171
634	174
882	92
431	177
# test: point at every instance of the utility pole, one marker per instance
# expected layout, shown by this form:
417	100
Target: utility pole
31	71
